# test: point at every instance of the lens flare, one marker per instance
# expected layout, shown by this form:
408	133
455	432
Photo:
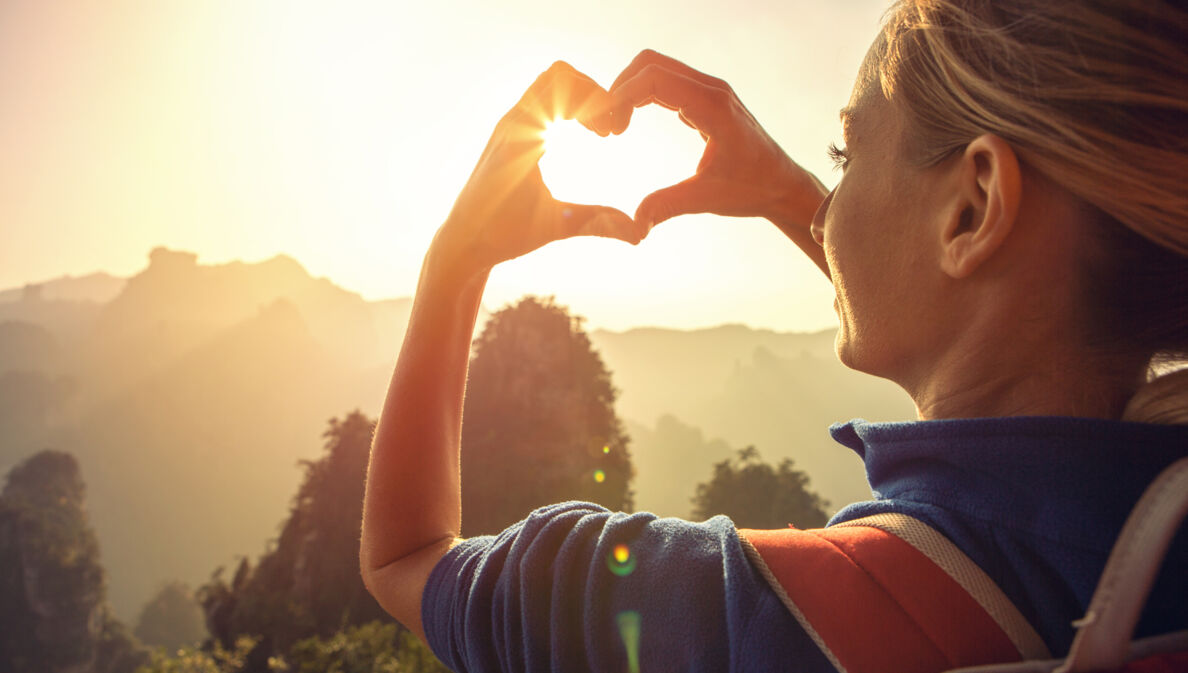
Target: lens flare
606	449
599	476
620	561
622	553
629	631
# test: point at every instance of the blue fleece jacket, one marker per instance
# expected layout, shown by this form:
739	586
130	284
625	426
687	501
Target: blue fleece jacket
1036	502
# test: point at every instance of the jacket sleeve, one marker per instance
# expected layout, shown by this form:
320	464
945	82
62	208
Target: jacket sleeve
575	587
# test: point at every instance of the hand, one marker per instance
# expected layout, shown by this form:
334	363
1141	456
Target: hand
742	173
505	210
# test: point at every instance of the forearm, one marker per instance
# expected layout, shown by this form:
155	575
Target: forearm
413	496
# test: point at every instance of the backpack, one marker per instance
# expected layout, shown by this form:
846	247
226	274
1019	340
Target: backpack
902	597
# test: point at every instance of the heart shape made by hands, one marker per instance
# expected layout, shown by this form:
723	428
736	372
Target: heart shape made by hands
656	151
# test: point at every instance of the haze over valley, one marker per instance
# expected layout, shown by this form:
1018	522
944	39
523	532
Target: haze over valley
189	392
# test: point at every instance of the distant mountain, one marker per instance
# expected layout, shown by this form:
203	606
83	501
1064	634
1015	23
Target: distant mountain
777	391
662	371
65	307
68	321
784	405
26	346
196	463
34	391
186	302
94	287
670	459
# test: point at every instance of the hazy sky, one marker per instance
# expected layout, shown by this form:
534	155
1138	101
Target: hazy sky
339	133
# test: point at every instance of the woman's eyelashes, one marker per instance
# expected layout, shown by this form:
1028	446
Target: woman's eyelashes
839	156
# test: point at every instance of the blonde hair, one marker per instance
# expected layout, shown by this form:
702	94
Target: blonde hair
1093	95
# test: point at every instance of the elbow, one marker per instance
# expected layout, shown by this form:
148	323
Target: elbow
368	568
373	562
365	569
398	584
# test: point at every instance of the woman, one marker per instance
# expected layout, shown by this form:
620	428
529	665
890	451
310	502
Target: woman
1007	243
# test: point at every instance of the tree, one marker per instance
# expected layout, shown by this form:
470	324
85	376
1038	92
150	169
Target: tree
539	424
215	659
171	619
756	495
370	648
54	614
375	647
308	584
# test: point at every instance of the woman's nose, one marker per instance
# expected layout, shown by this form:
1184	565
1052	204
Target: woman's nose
818	226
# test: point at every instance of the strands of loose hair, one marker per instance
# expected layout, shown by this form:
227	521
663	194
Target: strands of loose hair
1093	95
1096	103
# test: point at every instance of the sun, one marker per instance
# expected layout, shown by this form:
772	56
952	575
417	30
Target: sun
558	133
618	171
575	162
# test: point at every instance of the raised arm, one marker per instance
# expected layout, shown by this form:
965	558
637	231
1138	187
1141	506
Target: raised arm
412	506
743	173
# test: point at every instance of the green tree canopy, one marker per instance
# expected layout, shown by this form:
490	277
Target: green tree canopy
375	647
370	648
539	424
308	583
756	495
53	607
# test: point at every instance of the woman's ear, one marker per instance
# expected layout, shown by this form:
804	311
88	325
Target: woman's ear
989	188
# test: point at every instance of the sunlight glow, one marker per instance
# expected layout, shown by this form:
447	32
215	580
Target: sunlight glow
341	133
656	151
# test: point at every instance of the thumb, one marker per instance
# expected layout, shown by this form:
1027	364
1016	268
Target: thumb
586	220
684	198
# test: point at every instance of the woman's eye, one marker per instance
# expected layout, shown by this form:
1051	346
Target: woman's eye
839	157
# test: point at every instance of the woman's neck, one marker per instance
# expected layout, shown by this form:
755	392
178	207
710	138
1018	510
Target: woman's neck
989	374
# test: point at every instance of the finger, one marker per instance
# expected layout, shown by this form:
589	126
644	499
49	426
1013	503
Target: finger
649	57
585	220
684	198
701	105
690	125
561	92
593	114
617	119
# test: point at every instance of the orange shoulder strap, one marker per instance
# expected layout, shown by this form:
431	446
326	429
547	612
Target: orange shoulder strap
887	592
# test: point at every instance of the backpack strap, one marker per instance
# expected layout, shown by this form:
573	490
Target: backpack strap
886	592
1104	634
1103	641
